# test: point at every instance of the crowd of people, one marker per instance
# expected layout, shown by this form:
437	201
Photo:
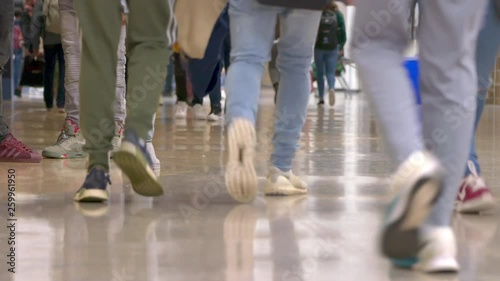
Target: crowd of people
113	59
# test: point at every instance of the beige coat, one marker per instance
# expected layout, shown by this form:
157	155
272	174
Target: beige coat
196	20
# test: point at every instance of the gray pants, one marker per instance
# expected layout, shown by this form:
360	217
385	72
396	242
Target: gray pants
6	20
71	45
447	39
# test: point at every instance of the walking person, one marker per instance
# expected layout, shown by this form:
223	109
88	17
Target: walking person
70	142
252	36
148	53
430	157
11	149
474	195
46	25
329	46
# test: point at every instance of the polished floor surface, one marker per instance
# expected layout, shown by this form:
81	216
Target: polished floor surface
197	232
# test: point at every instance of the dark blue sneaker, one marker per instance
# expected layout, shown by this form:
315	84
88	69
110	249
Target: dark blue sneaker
94	186
133	159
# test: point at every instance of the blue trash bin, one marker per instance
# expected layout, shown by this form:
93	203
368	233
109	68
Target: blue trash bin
411	65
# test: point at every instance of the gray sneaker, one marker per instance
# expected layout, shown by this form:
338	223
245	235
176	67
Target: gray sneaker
69	144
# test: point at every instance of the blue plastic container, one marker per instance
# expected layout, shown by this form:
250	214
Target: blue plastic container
412	67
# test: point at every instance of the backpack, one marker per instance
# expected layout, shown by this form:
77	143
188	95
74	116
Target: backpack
318	5
327	38
50	12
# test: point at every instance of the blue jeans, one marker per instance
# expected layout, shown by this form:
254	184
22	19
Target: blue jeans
18	66
252	36
488	45
325	60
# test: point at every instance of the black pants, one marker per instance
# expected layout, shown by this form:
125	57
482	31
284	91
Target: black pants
53	53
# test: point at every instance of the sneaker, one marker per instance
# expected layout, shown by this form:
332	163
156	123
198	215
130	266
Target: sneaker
199	112
331	97
418	182
284	183
241	178
61	110
321	103
474	195
12	150
438	253
133	159
69	144
181	110
94	187
215	115
117	138
154	160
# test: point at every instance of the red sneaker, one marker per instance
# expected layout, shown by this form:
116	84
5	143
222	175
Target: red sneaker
12	150
474	195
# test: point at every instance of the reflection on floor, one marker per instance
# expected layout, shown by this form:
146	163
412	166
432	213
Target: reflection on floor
196	232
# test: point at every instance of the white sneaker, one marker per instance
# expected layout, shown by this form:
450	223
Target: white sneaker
284	183
418	182
474	195
181	110
439	253
331	97
156	162
199	112
215	116
241	178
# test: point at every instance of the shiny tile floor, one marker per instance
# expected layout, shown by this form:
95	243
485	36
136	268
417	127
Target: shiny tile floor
196	232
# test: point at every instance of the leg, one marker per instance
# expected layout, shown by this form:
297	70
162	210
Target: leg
62	71
170	77
100	25
449	89
180	79
215	94
295	51
71	47
251	41
331	66
50	55
6	16
488	46
147	47
120	78
319	60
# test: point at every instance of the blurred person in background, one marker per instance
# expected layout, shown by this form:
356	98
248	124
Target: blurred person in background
329	46
430	149
46	25
18	51
11	149
474	195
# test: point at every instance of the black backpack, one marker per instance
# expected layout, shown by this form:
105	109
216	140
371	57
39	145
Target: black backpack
328	32
318	5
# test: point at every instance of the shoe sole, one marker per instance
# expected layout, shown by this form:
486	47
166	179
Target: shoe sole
68	155
481	204
9	160
240	176
91	195
282	189
400	239
131	161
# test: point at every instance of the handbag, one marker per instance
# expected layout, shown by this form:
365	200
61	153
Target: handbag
318	5
32	72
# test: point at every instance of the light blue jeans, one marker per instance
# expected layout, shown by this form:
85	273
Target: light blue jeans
488	46
252	36
326	64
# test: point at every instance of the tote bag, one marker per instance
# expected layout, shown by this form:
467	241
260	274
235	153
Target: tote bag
32	72
297	4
